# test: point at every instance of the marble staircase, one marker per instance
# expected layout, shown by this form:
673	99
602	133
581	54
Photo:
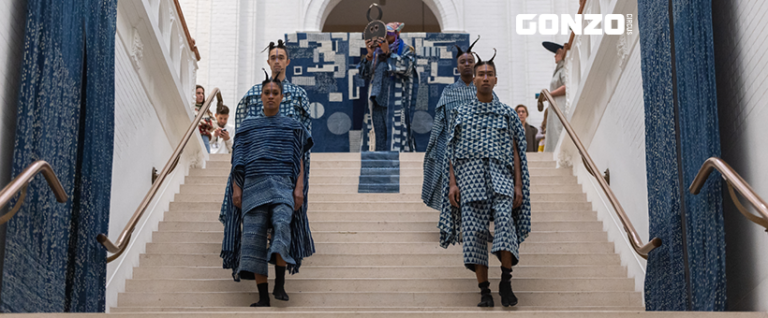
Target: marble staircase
378	254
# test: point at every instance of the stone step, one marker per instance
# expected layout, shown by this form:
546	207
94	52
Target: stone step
457	271
520	311
315	206
387	312
301	285
535	180
376	250
355	163
423	216
327	156
380	226
405	248
369	299
219	157
568	180
432	259
378	236
352	172
345	169
406	189
381	197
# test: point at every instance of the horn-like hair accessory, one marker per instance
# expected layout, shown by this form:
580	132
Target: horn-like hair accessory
479	60
461	52
280	45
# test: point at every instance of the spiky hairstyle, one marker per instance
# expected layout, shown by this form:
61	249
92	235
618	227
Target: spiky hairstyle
280	45
480	62
268	80
460	52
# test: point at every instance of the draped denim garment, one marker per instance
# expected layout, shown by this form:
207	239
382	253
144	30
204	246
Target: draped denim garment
481	137
295	105
266	152
453	96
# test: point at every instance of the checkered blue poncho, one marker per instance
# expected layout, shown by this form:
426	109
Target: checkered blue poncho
486	130
453	96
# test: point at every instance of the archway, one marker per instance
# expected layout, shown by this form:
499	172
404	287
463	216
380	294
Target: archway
349	16
446	12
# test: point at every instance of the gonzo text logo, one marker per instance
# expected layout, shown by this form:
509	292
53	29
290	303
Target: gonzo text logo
589	24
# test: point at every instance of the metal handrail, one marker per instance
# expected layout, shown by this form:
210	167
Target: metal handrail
634	239
568	45
20	183
733	179
125	236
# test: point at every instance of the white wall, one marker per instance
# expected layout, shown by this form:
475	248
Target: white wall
619	145
231	34
740	56
605	99
154	87
13	15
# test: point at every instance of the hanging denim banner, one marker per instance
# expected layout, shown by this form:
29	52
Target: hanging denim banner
688	271
53	262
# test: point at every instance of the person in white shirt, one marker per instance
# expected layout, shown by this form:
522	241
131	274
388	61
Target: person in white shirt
224	133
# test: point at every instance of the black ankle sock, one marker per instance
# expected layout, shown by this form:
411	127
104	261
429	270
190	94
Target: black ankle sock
505	288
279	290
486	300
263	295
506	274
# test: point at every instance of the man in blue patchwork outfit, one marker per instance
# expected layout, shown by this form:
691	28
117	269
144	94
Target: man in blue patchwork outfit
487	180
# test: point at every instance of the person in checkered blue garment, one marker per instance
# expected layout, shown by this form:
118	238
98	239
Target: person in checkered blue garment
487	181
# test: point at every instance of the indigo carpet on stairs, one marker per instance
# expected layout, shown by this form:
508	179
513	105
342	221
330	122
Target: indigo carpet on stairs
379	172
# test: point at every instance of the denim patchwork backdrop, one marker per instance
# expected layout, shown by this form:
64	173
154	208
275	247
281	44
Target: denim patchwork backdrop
688	271
53	262
324	64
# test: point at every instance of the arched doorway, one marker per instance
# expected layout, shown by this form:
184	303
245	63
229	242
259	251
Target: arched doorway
349	16
446	12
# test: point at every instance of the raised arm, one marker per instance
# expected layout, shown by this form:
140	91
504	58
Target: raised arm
401	64
365	68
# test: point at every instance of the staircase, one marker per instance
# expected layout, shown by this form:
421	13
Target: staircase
378	254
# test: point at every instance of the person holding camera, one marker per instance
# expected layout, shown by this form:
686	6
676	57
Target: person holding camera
224	133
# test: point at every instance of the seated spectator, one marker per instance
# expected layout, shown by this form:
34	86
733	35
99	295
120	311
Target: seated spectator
224	133
206	124
530	131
